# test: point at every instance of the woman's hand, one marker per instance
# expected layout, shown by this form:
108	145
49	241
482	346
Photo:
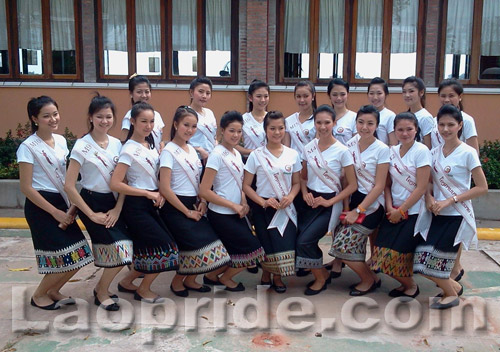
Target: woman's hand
112	217
271	202
241	209
157	198
285	202
99	218
63	218
203	153
194	215
202	208
351	217
438	206
320	202
429	202
394	215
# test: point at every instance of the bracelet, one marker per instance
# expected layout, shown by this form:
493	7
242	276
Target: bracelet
455	199
403	214
361	209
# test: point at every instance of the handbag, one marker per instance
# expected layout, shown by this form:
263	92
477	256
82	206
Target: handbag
359	220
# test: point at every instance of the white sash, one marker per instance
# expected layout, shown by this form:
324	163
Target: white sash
467	231
408	180
296	131
143	157
436	139
98	157
206	131
192	171
320	167
250	127
234	165
277	180
366	179
47	159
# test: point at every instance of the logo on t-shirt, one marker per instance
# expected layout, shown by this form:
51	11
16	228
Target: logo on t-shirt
447	169
340	130
288	168
115	159
306	132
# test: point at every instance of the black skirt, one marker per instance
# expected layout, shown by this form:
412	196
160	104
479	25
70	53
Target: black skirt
395	247
200	249
243	247
56	250
154	248
280	250
111	247
313	225
436	256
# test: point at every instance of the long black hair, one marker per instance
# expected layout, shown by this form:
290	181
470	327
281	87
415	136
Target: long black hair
98	103
137	108
34	107
179	115
256	84
230	117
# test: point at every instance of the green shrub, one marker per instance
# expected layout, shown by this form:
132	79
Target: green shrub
490	159
9	169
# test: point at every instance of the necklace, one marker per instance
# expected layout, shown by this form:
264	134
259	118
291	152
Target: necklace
448	152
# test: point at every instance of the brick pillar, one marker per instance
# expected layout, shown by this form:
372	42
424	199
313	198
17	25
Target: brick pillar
242	38
88	42
432	36
271	41
257	40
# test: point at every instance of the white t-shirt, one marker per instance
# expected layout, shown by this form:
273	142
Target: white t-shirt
199	139
258	130
288	162
468	129
157	129
425	122
345	127
458	166
337	156
307	127
225	185
92	178
137	176
40	180
377	153
179	181
386	125
417	156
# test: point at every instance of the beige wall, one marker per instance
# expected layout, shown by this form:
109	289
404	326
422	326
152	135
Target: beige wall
73	103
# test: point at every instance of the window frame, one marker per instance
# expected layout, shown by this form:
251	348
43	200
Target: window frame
349	59
13	44
475	54
166	45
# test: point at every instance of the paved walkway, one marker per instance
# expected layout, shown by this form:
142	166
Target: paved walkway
330	321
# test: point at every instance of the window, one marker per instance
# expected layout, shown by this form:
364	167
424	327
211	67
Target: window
472	41
317	33
168	39
45	44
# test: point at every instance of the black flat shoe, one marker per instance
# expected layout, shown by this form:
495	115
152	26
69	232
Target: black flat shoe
355	292
402	294
265	283
460	275
203	288
302	272
208	281
68	301
378	284
335	274
396	293
124	289
113	297
182	293
279	289
459	293
439	305
310	292
238	288
253	270
111	307
330	266
327	281
53	306
157	299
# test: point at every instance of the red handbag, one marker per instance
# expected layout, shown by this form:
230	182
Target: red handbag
359	220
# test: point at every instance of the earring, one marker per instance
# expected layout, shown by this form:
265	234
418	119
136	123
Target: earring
36	124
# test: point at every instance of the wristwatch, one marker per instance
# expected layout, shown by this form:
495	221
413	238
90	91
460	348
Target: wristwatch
358	211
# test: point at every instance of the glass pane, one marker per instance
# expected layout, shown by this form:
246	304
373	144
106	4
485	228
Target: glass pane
331	65
403	39
458	38
114	28
331	38
296	60
218	38
184	44
29	16
369	38
62	33
403	65
490	41
148	37
4	47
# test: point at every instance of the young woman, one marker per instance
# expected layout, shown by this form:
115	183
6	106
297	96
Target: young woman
140	91
204	139
345	124
276	168
406	215
453	223
60	246
136	176
366	208
300	125
414	98
378	90
324	161
451	91
228	207
94	157
253	130
201	251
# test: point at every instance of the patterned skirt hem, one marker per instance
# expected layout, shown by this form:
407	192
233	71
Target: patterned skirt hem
156	260
113	255
423	270
203	260
67	259
391	262
248	259
308	263
352	257
282	263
